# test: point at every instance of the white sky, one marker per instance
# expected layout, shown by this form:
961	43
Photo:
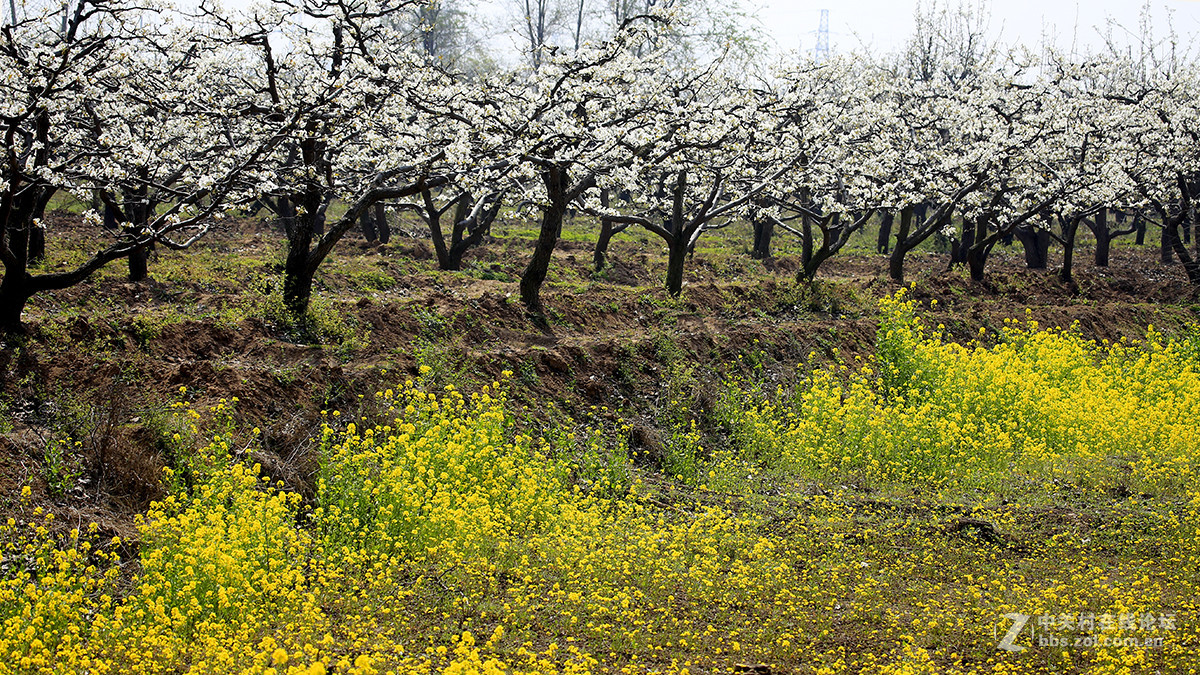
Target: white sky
884	25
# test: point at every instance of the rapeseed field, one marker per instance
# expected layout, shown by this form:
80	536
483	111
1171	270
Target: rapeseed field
1029	506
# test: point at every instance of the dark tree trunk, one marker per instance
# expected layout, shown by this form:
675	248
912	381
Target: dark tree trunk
885	232
1139	228
368	227
382	229
1103	238
18	286
139	267
764	230
806	244
1036	242
111	222
600	256
977	253
1070	229
830	230
896	261
37	244
959	247
459	245
298	270
677	249
534	275
1191	266
297	277
976	262
14	293
1166	253
809	272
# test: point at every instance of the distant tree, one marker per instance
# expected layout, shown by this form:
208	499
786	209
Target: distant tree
539	23
442	29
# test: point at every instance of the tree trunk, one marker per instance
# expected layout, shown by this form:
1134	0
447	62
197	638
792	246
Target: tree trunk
1070	229
552	220
287	216
976	261
382	229
1103	238
139	268
764	230
368	227
600	256
37	245
13	296
298	273
960	247
535	272
676	256
1036	243
896	261
1166	249
885	232
1139	227
806	246
1191	266
809	272
977	253
297	287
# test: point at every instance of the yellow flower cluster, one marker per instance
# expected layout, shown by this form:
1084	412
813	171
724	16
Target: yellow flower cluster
1042	411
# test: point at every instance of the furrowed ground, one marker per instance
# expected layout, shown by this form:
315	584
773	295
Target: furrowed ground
759	477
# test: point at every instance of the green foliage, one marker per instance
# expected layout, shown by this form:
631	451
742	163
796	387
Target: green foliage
433	350
683	452
371	279
601	462
61	465
148	326
327	320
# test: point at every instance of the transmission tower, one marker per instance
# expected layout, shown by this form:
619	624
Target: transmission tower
821	51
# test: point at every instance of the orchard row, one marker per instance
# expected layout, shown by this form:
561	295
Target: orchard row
328	114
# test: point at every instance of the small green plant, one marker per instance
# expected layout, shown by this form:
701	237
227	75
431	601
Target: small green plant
602	464
432	349
60	465
6	420
683	453
527	373
148	326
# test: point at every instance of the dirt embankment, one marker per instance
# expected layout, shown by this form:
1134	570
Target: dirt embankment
614	340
